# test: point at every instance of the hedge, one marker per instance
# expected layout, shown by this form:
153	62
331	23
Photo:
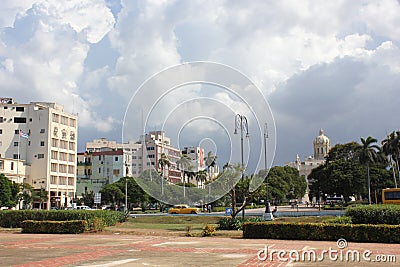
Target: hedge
323	231
53	227
374	214
14	218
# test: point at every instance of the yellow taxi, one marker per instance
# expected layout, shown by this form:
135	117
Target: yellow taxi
182	209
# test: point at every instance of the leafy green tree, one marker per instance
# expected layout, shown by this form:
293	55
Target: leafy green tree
40	196
368	154
341	174
88	198
285	183
8	192
26	195
111	193
345	170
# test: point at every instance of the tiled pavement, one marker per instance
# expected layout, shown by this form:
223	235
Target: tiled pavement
129	250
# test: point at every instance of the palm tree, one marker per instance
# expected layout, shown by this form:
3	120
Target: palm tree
201	176
162	162
368	154
183	165
391	148
210	159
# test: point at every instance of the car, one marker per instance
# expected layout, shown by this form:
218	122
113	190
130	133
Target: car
82	208
182	209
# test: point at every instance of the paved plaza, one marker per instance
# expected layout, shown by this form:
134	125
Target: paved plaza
105	250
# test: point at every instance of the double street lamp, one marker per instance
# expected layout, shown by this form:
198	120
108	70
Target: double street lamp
242	125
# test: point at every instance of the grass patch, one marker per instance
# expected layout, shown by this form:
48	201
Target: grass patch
177	225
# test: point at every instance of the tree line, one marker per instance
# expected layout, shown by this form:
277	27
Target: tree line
360	169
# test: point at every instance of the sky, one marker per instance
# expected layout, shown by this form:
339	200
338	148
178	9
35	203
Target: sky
317	64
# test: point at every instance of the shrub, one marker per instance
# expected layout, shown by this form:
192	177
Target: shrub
374	214
208	230
14	218
229	223
188	231
340	220
323	231
53	227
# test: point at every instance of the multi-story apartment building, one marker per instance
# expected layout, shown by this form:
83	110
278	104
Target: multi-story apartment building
48	146
156	144
96	169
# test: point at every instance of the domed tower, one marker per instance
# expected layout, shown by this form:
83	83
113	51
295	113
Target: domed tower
322	145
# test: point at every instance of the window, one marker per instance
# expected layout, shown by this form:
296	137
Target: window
116	158
116	172
30	119
20	109
71	169
64	120
1	164
1	131
40	156
1	119
5	107
16	131
71	146
62	168
54	142
19	120
42	130
15	143
54	154
41	143
99	170
16	156
55	117
12	166
53	179
54	167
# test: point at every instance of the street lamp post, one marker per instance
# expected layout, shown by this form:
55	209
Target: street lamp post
267	216
126	187
242	125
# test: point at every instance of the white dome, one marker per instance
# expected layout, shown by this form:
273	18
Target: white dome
321	138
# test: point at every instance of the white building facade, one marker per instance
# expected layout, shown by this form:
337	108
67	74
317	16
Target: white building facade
49	149
322	146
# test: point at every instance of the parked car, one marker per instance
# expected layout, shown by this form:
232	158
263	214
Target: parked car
82	208
183	209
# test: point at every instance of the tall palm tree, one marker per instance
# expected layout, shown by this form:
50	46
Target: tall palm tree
391	148
162	162
201	176
183	165
210	160
368	154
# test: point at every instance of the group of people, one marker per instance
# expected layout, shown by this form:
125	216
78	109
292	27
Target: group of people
207	208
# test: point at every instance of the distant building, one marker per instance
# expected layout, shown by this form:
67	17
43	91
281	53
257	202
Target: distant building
96	169
43	137
93	173
322	147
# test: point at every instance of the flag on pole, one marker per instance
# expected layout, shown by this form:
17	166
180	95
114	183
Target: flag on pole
23	135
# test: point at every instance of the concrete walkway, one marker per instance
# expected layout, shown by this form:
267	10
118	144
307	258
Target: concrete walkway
103	250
